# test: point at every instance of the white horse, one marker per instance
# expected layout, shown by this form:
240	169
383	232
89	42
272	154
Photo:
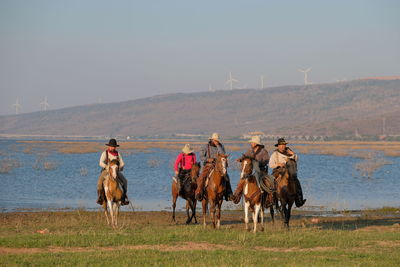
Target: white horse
113	193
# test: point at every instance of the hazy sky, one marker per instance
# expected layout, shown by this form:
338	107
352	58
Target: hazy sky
75	52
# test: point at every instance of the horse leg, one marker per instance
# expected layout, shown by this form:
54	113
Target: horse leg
194	210
106	211
189	205
271	211
116	213
219	204
262	217
212	212
110	208
255	216
289	211
204	204
174	197
246	215
286	215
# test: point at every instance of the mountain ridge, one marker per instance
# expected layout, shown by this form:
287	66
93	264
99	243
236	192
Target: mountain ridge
323	109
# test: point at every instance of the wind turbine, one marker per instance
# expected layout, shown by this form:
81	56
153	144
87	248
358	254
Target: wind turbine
262	81
17	106
305	75
45	104
231	80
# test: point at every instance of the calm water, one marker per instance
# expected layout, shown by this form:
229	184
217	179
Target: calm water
327	181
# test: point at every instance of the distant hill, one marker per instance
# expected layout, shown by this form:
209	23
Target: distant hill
320	109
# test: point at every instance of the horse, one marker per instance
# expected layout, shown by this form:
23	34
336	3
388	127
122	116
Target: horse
188	188
113	193
215	190
254	198
286	188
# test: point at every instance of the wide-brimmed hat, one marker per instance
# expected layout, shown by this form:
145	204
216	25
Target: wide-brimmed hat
112	143
187	149
255	139
281	141
214	136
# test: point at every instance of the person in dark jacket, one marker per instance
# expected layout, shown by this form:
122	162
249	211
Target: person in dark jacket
208	156
257	152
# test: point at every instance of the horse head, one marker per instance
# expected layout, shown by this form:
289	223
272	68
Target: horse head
291	166
195	171
113	168
247	166
222	163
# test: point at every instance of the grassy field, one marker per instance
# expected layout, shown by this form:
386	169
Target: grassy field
81	238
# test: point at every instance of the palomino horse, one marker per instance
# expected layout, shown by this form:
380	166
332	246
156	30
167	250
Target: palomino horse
286	188
254	198
215	190
188	187
113	192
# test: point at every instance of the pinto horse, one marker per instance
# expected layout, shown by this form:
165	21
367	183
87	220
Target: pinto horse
286	188
187	192
215	190
113	193
254	198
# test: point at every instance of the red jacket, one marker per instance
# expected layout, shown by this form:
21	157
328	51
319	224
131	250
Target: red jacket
184	161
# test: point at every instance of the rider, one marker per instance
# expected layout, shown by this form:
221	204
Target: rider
257	152
208	155
183	164
279	158
108	155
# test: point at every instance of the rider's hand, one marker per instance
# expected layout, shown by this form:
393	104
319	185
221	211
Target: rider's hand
176	172
289	152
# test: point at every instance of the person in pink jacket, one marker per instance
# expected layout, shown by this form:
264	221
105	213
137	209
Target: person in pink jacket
183	164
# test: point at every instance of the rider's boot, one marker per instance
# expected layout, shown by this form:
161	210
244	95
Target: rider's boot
100	197
299	201
228	189
124	200
238	192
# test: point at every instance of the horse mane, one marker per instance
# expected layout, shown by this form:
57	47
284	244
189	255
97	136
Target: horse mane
115	161
246	157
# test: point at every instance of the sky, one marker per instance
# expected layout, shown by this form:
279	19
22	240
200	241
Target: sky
94	51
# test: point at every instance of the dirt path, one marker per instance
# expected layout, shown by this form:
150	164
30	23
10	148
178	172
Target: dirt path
186	246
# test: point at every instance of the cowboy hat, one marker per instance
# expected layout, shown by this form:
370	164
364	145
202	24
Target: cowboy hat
187	149
281	141
214	136
255	139
112	143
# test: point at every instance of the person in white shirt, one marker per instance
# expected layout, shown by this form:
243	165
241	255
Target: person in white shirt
279	158
108	155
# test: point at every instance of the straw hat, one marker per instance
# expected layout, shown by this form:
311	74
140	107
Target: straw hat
187	149
214	136
255	139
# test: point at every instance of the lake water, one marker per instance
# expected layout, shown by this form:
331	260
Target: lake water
330	182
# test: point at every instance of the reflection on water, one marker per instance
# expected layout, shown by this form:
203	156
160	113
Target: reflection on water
328	181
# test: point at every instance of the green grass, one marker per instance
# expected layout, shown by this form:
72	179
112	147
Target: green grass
148	238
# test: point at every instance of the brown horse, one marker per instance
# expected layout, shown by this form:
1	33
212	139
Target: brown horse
189	186
113	193
286	188
215	190
254	198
